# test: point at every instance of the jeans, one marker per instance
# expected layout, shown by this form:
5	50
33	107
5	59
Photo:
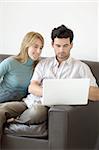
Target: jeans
10	110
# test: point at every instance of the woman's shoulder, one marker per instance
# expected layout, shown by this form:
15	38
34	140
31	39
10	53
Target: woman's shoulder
7	64
8	61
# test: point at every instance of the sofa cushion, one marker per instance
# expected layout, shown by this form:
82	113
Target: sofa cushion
23	130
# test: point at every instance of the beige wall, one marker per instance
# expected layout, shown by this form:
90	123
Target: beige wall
19	17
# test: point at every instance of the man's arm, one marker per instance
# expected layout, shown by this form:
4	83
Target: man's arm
94	93
35	88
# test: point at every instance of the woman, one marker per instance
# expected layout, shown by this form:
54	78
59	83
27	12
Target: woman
16	71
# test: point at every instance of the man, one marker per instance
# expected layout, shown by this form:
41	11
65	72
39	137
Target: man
60	66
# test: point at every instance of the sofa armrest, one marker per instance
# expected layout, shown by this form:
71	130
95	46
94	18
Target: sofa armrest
73	127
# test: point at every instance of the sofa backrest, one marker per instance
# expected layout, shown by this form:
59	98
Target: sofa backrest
94	66
3	56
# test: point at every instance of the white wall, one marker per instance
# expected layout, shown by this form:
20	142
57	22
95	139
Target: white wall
17	18
98	31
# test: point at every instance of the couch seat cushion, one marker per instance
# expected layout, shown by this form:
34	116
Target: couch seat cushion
36	130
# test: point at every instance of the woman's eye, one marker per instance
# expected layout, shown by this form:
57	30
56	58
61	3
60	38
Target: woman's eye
35	47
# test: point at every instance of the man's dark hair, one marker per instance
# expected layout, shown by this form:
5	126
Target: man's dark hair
62	32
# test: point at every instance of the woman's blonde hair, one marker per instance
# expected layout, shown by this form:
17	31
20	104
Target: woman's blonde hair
28	41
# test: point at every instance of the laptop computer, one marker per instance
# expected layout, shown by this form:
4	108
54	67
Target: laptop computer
65	91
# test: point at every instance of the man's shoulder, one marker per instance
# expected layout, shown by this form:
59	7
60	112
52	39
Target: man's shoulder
79	62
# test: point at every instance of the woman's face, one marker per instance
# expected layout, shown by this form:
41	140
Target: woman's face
35	50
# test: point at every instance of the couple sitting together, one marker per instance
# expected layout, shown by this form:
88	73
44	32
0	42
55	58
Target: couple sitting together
18	81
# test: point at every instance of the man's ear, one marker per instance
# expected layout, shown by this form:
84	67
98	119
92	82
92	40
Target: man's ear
71	44
52	43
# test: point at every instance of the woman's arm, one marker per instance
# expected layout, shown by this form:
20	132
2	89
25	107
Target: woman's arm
4	66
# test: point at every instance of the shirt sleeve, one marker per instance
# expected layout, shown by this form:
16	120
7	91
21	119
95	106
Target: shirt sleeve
86	73
38	72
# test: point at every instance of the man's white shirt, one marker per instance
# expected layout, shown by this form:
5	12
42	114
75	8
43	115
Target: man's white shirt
49	68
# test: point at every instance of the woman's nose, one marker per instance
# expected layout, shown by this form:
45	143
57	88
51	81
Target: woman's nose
38	50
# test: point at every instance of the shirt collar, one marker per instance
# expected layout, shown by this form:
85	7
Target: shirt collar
68	61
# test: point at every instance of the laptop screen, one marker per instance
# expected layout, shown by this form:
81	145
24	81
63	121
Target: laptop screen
65	91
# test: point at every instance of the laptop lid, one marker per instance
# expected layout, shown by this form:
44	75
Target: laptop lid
65	91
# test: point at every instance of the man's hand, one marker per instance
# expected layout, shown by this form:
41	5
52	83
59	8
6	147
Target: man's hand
94	93
10	120
35	88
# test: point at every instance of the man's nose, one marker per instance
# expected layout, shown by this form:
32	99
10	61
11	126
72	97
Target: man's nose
61	49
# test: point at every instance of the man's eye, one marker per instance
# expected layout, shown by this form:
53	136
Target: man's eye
58	45
65	45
